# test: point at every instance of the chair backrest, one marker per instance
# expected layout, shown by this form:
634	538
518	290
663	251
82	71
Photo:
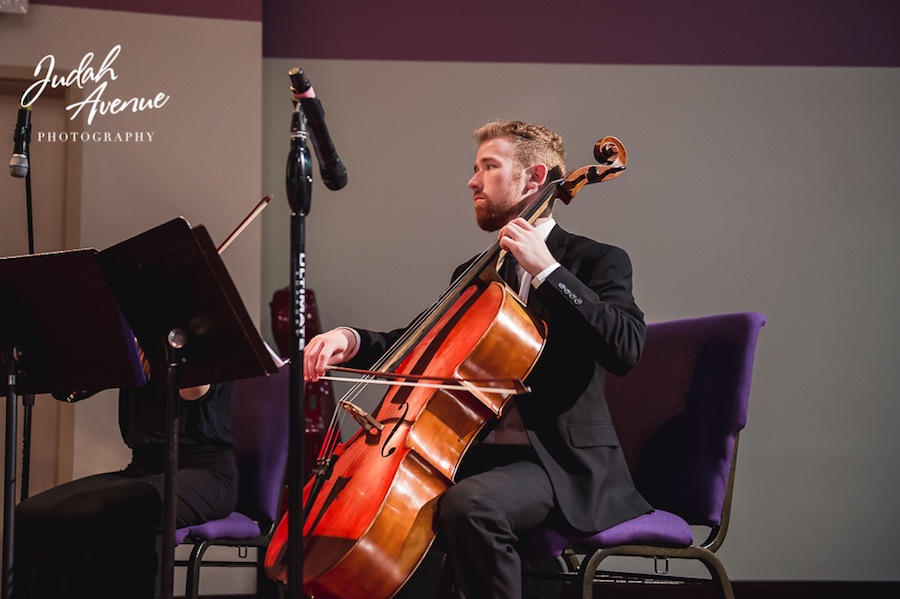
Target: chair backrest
260	425
679	411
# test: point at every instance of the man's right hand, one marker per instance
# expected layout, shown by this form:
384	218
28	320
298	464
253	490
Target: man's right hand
331	347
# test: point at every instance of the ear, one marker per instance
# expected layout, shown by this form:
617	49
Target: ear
536	176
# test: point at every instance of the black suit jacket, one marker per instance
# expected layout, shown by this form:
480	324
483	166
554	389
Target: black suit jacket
594	326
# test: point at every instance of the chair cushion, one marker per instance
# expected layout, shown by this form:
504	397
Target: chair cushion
234	526
653	528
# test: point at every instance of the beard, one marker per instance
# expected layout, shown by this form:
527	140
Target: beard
493	213
492	218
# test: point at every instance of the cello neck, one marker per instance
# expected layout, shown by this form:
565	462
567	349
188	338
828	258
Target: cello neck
482	270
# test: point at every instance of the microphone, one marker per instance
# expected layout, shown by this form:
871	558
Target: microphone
18	165
331	169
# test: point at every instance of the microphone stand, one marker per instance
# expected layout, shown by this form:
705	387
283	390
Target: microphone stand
299	192
9	476
24	135
28	398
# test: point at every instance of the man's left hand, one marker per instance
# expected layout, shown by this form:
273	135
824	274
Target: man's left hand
520	239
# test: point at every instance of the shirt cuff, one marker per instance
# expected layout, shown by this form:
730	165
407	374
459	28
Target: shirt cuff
352	352
542	276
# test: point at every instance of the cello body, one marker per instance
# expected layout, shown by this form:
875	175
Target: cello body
370	526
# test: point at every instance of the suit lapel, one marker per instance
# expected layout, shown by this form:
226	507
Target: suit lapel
557	241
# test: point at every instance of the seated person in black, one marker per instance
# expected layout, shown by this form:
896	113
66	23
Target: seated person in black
99	537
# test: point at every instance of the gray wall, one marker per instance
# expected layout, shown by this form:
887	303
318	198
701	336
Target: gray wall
748	188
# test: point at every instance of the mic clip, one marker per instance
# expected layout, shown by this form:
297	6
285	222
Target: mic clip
18	165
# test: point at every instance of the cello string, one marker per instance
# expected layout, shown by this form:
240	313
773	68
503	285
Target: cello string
422	377
421	384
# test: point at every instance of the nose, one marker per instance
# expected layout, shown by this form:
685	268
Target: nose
475	182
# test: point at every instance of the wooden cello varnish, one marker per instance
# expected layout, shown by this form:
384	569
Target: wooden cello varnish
366	533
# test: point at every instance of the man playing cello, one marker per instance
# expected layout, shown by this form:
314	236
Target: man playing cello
554	451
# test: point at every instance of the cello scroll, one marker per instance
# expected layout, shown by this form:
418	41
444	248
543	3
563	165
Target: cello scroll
611	155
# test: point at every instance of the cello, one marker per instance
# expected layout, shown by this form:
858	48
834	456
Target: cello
368	512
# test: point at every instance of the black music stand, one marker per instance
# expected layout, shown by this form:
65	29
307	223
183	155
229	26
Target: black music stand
190	321
60	330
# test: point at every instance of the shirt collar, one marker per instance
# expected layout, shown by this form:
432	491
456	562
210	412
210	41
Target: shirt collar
545	227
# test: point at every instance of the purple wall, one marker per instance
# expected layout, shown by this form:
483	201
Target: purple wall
719	32
245	10
688	32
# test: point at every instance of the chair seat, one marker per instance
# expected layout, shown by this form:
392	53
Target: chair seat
658	528
233	526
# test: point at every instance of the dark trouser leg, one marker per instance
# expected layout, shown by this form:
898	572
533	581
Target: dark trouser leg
98	537
70	539
481	519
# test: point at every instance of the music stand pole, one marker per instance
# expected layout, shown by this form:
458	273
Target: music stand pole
9	490
175	341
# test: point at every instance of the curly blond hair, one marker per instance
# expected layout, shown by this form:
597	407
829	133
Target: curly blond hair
532	144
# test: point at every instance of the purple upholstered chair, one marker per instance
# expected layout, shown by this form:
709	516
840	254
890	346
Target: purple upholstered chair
678	414
260	425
